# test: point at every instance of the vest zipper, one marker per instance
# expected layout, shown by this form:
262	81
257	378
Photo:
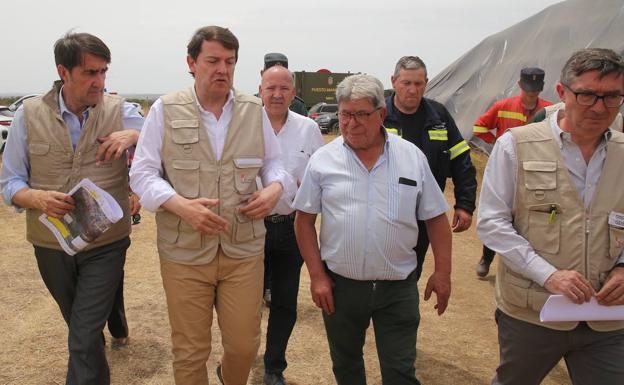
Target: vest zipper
587	222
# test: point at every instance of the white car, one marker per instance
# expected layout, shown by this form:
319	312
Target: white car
5	123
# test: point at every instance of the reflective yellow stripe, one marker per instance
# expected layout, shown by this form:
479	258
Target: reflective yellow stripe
459	149
438	135
480	130
393	131
512	115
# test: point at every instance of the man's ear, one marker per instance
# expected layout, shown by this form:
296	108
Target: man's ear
63	72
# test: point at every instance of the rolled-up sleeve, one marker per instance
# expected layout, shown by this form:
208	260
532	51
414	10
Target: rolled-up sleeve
15	165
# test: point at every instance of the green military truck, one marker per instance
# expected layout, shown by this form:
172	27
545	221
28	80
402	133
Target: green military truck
319	86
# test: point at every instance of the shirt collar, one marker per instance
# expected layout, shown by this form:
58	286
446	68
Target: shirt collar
63	107
561	136
228	101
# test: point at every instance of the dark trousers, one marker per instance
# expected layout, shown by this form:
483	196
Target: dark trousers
285	264
528	353
393	307
84	287
117	323
488	254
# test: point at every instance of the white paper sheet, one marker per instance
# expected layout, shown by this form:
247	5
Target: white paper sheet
560	308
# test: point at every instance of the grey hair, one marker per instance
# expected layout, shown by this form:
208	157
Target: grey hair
409	63
359	87
604	60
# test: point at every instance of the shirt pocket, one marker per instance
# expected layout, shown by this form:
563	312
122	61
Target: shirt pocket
185	178
408	198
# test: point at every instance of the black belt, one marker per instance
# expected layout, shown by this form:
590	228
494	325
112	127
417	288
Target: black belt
280	218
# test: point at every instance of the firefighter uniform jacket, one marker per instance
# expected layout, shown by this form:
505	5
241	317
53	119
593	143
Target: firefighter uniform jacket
446	150
503	115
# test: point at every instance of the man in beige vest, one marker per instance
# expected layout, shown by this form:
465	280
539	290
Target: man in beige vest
557	224
72	132
196	165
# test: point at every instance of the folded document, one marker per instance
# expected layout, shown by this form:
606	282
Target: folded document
560	308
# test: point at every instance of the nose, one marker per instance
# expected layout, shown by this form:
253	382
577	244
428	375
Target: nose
99	80
599	106
221	67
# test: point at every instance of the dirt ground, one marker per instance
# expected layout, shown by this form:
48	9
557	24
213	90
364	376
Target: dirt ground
459	347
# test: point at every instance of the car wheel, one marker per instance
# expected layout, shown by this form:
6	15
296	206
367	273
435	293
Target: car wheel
335	128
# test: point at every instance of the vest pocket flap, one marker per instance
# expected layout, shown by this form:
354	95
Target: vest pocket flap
186	164
517	280
185	123
539	165
185	135
540	175
248	162
38	148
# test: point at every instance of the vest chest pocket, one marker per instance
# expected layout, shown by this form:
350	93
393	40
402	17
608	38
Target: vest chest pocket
544	227
185	131
539	177
48	166
245	172
616	241
185	178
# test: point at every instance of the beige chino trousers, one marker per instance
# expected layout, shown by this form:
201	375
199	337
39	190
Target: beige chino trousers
234	288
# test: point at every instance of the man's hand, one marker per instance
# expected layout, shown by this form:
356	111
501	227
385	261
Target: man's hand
135	206
612	292
196	213
321	287
262	202
570	283
113	146
440	283
53	203
462	220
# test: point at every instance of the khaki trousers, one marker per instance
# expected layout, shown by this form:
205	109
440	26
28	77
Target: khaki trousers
234	288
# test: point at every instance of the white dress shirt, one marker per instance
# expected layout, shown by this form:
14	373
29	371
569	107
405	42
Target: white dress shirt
369	218
146	173
495	221
299	138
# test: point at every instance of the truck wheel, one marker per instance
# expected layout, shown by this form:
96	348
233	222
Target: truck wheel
335	128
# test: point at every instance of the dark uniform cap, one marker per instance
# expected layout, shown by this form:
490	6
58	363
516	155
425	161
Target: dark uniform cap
271	59
532	79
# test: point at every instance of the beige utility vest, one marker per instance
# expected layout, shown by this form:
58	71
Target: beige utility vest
549	213
191	168
55	165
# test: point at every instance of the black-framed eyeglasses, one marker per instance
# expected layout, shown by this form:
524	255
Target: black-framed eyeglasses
589	98
360	116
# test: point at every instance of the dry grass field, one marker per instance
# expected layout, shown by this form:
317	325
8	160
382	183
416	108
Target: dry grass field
460	347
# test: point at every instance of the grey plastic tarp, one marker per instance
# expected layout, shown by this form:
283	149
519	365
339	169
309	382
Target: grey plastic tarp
490	71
